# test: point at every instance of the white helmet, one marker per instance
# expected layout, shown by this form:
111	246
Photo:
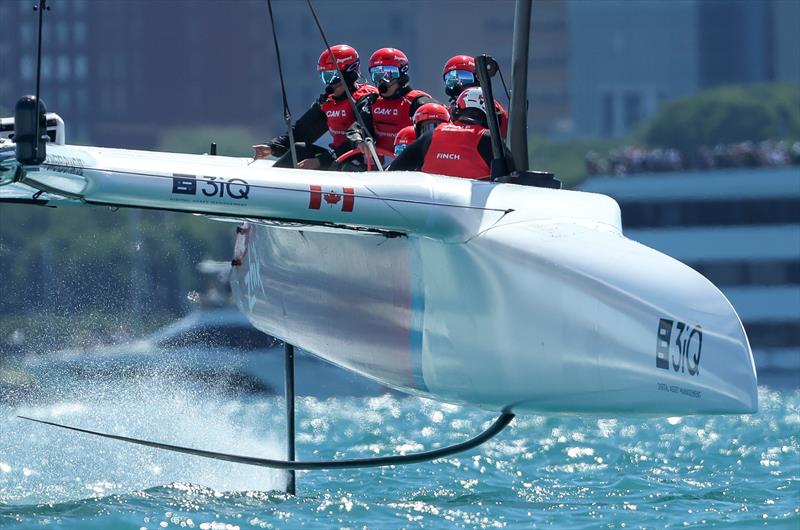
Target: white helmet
471	98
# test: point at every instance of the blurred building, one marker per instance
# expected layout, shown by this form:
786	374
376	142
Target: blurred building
748	42
122	71
548	80
733	42
628	58
119	71
785	27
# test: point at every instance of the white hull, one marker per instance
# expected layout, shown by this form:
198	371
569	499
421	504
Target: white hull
503	296
531	317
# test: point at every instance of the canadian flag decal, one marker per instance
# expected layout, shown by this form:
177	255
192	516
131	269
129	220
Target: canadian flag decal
332	198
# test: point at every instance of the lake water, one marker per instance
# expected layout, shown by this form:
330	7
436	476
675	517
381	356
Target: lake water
544	471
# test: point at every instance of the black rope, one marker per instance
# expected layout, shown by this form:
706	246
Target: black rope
508	95
287	114
359	119
499	424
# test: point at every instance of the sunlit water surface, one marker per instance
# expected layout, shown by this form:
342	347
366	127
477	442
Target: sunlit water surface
559	471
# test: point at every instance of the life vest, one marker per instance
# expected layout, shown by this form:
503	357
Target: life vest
339	113
389	115
454	151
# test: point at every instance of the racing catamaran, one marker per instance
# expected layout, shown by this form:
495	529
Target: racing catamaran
510	297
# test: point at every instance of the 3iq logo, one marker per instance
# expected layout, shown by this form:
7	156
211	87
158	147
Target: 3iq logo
683	355
212	186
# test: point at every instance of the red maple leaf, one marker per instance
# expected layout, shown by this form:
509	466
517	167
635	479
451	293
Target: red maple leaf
332	198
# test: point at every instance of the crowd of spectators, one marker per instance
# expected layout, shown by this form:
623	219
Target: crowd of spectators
633	159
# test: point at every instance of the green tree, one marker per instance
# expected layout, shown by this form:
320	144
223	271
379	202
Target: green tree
567	160
113	268
727	115
130	267
231	141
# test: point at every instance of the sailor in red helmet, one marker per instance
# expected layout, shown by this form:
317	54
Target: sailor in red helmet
332	113
427	117
406	136
458	75
459	149
397	102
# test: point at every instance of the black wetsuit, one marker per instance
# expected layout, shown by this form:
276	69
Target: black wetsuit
417	103
308	129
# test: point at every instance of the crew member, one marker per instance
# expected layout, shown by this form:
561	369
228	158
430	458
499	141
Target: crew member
396	103
459	149
459	75
427	117
406	136
332	112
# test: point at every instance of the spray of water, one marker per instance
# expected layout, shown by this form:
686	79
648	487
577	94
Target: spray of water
40	464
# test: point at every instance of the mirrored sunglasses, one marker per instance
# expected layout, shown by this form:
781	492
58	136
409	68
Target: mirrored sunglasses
384	73
465	77
330	77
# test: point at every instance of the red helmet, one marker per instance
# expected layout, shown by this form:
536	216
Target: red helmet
431	111
459	62
346	57
406	136
388	57
458	74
